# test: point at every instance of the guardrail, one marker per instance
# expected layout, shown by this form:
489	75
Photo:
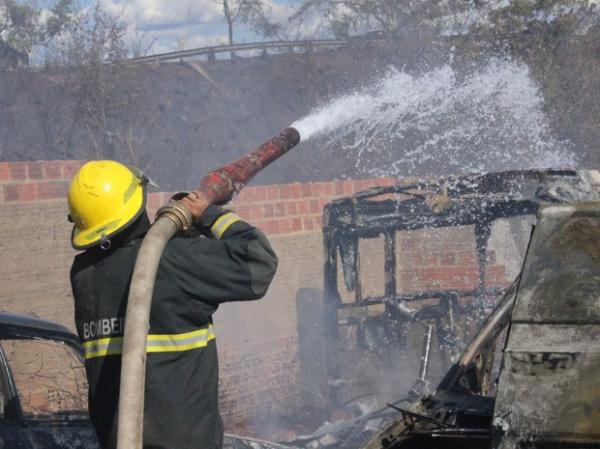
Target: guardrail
211	52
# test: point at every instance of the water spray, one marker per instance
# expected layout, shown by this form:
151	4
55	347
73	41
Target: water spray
489	119
219	186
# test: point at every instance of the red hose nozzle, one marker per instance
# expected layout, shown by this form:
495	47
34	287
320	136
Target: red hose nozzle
220	185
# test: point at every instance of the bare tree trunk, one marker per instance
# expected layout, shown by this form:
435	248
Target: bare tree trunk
229	17
230	31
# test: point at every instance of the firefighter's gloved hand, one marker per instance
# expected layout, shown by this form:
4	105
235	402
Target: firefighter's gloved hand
196	202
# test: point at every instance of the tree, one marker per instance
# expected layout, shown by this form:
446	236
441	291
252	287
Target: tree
250	12
521	15
95	97
24	25
342	18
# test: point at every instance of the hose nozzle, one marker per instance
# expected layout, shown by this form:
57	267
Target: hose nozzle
221	184
178	214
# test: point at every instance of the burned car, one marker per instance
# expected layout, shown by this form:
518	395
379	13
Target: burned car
526	379
43	401
44	388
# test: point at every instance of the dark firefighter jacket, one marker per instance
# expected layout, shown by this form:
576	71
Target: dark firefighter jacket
195	275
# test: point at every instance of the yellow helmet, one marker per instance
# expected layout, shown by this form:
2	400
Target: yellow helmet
104	198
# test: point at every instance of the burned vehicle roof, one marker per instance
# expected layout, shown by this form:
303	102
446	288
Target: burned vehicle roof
456	200
26	326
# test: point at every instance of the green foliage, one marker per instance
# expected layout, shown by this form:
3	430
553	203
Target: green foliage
254	13
521	15
23	24
408	18
91	40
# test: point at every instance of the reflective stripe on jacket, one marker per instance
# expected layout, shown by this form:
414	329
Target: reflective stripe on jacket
155	343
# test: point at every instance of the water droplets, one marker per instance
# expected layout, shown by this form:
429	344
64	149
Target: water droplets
442	122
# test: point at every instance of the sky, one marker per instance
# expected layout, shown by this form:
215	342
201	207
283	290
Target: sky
156	26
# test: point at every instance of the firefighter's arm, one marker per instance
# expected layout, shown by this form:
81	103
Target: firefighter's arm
236	262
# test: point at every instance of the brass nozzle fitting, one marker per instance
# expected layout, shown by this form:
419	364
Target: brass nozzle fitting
178	213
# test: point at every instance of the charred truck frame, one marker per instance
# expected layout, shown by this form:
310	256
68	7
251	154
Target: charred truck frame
476	201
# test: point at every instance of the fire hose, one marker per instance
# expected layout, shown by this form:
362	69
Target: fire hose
218	186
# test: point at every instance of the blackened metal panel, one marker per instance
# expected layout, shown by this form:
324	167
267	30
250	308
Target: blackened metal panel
331	301
390	264
561	279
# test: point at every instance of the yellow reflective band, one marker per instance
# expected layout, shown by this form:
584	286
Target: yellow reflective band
154	343
223	223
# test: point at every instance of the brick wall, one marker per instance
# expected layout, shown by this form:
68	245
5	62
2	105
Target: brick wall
35	181
258	341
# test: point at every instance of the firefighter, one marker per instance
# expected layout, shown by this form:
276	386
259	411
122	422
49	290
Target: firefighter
227	260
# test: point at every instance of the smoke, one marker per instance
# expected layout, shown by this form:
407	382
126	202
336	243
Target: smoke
491	119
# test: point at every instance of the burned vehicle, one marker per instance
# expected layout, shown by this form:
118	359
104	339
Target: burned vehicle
44	388
43	400
528	377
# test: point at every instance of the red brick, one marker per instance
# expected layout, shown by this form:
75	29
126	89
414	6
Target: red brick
270	227
243	211
285	192
496	271
279	209
291	209
4	172
466	259
296	190
296	225
35	170
307	189
18	171
52	170
304	207
20	192
425	260
255	212
314	206
285	226
348	187
384	182
52	190
267	210
257	193
154	201
69	168
370	183
272	193
338	188
448	259
308	223
324	189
